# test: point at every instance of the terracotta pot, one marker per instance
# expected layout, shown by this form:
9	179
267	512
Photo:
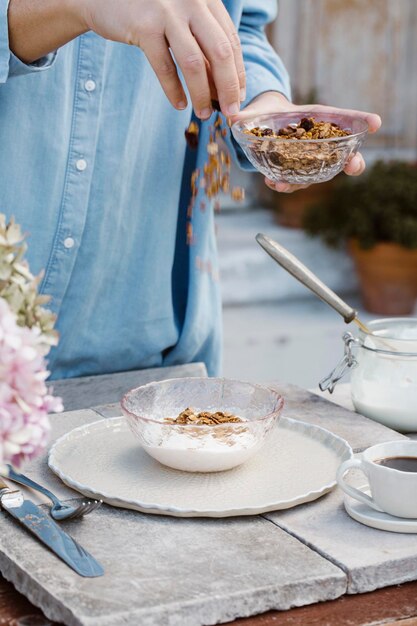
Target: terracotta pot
291	207
388	277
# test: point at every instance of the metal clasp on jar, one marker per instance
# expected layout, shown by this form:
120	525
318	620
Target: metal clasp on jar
347	362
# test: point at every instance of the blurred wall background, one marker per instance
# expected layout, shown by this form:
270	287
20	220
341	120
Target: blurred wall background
359	54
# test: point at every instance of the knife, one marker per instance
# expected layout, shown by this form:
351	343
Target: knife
48	532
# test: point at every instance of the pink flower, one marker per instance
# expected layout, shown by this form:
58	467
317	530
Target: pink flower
25	400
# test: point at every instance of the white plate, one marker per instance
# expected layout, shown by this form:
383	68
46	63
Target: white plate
382	521
104	460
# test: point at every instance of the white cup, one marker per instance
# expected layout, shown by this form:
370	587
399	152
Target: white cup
393	491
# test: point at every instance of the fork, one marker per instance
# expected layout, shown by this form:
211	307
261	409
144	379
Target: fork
59	510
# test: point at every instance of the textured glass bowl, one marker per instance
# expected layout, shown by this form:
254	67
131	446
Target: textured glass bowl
299	161
201	448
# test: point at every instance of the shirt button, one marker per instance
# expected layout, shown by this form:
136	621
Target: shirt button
81	165
89	85
69	242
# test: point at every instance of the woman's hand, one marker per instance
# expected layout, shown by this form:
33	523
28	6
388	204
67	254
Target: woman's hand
200	35
275	102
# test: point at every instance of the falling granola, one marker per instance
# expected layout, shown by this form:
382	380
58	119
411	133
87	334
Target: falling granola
214	177
191	135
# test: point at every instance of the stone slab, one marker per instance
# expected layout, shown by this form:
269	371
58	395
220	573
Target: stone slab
191	572
172	571
88	391
358	430
389	606
108	410
371	558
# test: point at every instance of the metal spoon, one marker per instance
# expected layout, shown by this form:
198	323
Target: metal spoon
297	269
294	266
77	507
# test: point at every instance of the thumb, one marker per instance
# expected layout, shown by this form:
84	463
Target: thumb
267	102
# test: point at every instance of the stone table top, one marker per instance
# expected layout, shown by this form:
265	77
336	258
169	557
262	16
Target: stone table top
163	570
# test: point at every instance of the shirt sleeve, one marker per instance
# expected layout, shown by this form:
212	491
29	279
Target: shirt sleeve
264	69
10	65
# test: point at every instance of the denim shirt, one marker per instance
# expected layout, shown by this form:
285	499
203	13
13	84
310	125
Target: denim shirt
95	168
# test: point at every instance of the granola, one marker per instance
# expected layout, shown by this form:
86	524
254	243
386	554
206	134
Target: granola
214	178
190	416
290	153
307	128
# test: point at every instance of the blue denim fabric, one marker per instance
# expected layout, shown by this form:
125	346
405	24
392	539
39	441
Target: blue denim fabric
94	166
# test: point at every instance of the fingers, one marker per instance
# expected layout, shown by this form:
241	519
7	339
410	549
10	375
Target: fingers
355	166
213	91
282	187
190	58
220	54
157	52
267	102
205	46
219	11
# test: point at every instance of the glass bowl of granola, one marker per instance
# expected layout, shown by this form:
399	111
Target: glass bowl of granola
300	147
202	424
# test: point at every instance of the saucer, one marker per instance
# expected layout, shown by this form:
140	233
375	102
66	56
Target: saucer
375	519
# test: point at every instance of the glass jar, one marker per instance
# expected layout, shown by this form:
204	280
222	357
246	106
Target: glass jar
384	372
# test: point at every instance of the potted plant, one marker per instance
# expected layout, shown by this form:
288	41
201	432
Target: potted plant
376	215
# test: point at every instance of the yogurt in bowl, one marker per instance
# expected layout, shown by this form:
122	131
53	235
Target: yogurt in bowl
151	411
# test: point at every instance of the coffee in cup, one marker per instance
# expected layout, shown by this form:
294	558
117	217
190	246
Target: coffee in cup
391	470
